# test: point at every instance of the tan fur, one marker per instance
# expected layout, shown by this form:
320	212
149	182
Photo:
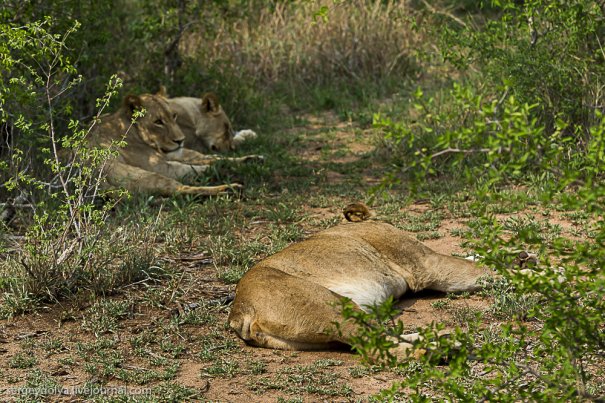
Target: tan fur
290	300
154	157
205	123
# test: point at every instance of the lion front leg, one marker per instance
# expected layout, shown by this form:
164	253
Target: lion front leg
138	180
177	170
195	158
174	168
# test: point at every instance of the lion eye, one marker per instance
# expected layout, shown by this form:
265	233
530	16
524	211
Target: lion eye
159	122
174	116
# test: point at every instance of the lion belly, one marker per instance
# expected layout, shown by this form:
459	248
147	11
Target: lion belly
370	292
345	265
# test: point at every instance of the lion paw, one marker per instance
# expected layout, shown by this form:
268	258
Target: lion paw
244	135
232	189
259	159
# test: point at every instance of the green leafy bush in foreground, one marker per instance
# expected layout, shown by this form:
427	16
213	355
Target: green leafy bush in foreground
552	352
555	350
534	124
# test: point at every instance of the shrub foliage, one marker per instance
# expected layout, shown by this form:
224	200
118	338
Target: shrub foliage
528	111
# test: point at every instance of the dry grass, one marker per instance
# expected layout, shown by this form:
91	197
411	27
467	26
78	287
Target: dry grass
360	41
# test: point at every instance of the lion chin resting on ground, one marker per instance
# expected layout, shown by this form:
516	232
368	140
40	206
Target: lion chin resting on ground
205	124
154	157
291	300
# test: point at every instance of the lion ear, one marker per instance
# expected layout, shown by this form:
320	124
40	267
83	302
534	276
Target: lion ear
133	102
210	103
162	92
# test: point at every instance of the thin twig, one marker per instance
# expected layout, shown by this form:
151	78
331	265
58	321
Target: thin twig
445	13
460	151
20	205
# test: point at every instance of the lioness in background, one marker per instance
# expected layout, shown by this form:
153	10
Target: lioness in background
205	124
290	300
154	157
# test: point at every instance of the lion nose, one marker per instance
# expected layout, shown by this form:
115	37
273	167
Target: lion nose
179	142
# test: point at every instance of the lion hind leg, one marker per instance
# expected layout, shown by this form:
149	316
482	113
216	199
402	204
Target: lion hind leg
273	309
267	340
452	274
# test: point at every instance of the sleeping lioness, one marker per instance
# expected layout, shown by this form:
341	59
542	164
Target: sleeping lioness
290	300
154	157
205	124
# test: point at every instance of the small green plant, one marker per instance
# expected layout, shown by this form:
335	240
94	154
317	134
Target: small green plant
423	236
213	344
257	367
40	384
316	379
52	345
67	361
441	304
22	361
363	370
103	316
173	392
378	331
222	368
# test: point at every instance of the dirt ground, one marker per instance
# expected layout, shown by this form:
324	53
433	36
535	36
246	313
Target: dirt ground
48	325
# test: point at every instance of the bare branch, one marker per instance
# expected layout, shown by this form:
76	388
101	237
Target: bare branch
445	13
460	151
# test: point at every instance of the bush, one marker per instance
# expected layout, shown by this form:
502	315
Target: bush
525	109
551	352
67	248
547	52
531	110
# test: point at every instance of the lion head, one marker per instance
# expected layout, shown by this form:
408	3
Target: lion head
214	129
203	121
157	127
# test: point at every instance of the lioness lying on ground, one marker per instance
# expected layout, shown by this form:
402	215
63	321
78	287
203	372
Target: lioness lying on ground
290	300
154	157
205	124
